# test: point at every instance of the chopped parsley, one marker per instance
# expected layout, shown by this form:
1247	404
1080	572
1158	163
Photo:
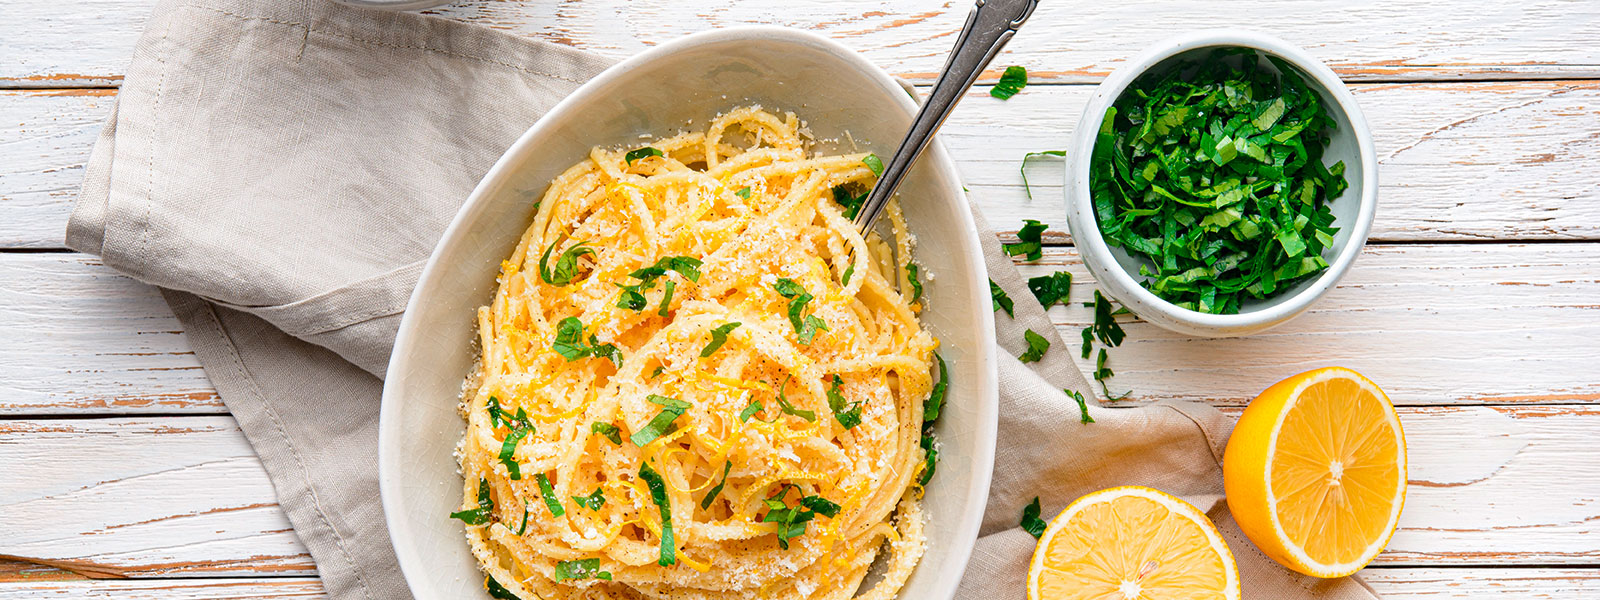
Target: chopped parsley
1083	407
1001	300
1051	289
656	372
848	272
750	411
1012	81
485	510
743	193
849	202
666	298
789	409
1027	189
1037	346
719	336
497	591
524	528
593	501
566	265
1105	325
705	503
805	328
583	568
634	155
632	297
662	424
1030	245
508	451
1102	373
931	409
873	162
569	343
1212	174
611	432
848	414
1031	522
792	520
930	458
549	495
658	494
916	286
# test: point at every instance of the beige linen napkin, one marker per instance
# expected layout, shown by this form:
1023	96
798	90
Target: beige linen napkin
282	168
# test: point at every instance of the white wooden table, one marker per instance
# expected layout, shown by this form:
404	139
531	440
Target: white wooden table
1476	304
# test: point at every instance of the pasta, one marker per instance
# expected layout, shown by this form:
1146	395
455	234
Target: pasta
699	381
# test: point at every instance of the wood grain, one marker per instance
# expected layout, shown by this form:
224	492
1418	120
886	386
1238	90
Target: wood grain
56	43
193	499
1459	161
1433	324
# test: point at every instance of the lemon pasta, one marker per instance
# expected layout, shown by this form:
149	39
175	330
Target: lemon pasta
698	380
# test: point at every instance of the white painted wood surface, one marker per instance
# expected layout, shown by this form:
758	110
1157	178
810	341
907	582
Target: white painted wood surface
1459	161
117	459
87	42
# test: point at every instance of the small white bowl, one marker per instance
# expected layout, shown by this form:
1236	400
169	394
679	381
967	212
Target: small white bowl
1118	272
846	101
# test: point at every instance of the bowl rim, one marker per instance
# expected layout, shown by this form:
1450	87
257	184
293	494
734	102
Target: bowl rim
1080	209
985	432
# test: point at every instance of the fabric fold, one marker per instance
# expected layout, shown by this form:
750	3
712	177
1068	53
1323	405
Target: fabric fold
282	169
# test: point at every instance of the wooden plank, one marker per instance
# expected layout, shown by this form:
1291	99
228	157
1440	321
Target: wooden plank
1460	161
1433	324
194	500
76	42
1393	583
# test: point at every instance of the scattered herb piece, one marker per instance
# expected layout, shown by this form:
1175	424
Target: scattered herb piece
1102	373
497	591
549	495
806	328
848	414
1030	245
524	528
584	568
930	459
809	328
935	402
1212	173
743	193
851	203
848	272
1026	189
1088	341
1031	522
508	451
662	424
656	372
1051	289
872	162
792	520
634	155
820	505
1083	407
705	503
789	409
485	510
611	432
566	265
750	411
666	298
658	494
593	501
1012	81
719	336
1037	346
1000	299
631	298
1106	327
916	286
569	343
687	266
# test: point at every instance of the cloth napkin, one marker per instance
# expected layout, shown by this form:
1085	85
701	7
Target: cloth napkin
281	169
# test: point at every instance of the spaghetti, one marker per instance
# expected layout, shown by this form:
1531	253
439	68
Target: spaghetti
699	381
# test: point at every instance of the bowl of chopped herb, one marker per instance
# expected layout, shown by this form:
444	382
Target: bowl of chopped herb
1220	183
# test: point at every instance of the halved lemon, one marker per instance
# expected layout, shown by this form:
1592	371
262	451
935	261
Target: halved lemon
1132	542
1316	472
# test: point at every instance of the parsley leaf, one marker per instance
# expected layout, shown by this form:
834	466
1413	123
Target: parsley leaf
1051	289
789	409
666	298
872	162
1102	373
805	329
569	343
1030	244
524	528
850	203
849	271
719	336
935	402
1105	325
1037	346
485	510
611	432
687	266
916	286
1012	81
809	328
930	459
658	494
1031	522
583	568
1027	189
497	591
566	265
848	414
1001	300
662	424
508	451
705	503
750	411
1083	407
549	495
593	501
792	520
634	155
743	193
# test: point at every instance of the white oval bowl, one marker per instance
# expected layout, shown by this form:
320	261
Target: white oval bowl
657	93
1351	142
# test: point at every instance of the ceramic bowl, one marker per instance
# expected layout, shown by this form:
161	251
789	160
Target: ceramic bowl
1118	272
842	97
